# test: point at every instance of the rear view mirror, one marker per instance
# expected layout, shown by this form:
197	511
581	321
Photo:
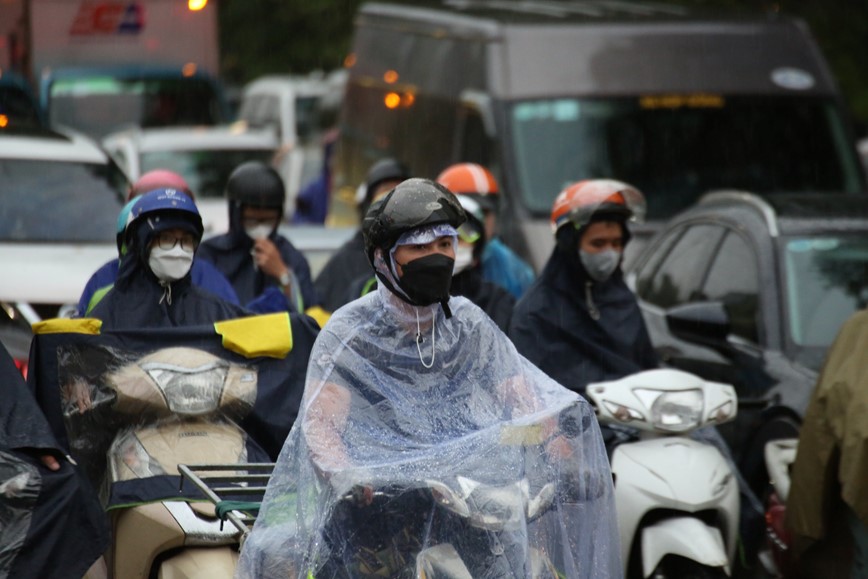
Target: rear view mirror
705	323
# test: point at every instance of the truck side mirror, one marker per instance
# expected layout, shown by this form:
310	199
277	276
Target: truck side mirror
703	323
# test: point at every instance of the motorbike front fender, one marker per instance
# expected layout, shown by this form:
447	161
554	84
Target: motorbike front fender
685	536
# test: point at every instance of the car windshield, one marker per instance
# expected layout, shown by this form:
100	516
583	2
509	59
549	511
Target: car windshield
53	201
99	105
826	283
674	148
206	172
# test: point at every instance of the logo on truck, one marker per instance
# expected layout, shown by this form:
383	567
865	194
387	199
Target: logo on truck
108	18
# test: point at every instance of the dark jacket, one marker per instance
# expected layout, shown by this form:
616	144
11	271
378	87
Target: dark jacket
493	299
137	300
554	325
53	524
347	265
230	252
203	274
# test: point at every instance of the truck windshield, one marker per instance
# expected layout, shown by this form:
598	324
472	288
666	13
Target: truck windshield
99	105
826	283
676	147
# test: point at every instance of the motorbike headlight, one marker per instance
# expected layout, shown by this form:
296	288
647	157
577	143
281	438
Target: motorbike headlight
677	411
190	391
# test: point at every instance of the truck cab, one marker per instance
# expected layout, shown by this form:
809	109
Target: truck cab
673	101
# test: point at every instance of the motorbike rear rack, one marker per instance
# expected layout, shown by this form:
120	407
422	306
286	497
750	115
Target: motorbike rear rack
241	481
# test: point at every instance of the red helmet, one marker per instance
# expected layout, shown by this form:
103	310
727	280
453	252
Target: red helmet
159	179
472	179
579	202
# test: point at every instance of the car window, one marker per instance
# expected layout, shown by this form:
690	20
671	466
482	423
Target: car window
648	262
734	280
677	279
826	283
53	201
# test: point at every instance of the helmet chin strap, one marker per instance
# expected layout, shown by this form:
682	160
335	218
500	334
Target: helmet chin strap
419	341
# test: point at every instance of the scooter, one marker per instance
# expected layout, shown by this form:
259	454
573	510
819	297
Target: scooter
176	405
779	458
466	534
675	493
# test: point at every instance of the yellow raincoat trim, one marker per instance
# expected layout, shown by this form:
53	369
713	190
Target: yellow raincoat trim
91	326
266	335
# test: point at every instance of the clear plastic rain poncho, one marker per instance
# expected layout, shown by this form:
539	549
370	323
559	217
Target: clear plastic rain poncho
479	466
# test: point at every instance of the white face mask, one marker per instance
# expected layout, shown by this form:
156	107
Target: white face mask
463	258
260	231
170	264
600	266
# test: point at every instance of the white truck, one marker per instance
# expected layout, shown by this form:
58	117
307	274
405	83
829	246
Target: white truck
104	64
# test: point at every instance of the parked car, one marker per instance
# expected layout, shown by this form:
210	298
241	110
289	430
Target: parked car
204	156
752	291
15	334
60	195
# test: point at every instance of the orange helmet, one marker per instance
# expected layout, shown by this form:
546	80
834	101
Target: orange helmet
471	179
579	202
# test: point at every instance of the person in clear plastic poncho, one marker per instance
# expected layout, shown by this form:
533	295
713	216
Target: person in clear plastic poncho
426	445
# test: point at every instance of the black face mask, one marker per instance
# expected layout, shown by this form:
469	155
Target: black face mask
427	280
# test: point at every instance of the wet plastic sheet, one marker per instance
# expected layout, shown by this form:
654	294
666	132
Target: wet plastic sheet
133	415
20	484
481	466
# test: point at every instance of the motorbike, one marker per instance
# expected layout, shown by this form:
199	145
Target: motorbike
468	532
676	494
173	406
779	458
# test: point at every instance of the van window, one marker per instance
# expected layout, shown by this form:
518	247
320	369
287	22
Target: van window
676	148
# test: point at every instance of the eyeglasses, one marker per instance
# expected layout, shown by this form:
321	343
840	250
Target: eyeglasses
468	234
167	240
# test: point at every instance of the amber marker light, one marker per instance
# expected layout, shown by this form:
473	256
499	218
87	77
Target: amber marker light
196	5
392	100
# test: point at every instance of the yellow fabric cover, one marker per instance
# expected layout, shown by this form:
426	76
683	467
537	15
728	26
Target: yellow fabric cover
90	326
832	460
265	335
320	315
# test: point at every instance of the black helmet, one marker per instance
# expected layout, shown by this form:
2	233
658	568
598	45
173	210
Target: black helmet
413	203
257	185
387	169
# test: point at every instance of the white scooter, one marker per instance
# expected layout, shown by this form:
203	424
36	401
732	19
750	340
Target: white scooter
675	492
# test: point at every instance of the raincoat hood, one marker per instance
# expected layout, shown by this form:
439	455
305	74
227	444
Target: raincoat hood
592	331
